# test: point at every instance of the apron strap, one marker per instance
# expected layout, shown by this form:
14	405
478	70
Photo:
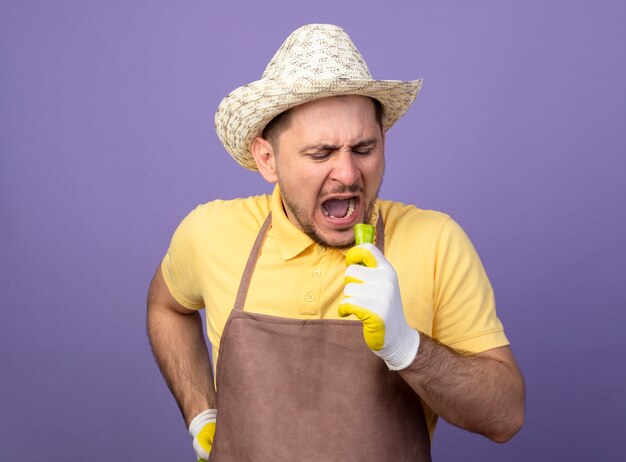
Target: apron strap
256	251
247	272
380	234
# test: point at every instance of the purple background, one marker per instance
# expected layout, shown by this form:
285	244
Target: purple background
107	141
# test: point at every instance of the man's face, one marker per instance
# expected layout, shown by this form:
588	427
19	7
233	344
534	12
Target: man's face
329	167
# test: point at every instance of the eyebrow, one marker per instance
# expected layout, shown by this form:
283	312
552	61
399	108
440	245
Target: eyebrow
332	147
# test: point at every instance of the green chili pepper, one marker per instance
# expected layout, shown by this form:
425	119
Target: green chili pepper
363	234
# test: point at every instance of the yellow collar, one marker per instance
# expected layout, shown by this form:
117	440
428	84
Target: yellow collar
289	239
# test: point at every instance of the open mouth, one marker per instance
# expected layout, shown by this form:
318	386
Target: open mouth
340	208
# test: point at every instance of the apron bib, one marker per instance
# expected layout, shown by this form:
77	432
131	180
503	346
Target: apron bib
309	391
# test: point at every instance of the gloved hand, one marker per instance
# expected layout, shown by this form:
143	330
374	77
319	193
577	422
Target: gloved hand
372	294
202	428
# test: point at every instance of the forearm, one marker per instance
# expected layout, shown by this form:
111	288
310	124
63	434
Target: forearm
475	392
180	351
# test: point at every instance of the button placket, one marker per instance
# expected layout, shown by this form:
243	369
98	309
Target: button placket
312	284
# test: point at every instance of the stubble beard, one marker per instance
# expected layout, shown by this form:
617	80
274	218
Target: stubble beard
306	225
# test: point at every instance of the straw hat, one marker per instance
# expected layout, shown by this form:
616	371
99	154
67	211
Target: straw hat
316	61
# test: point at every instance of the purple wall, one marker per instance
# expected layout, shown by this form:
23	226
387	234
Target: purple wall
106	142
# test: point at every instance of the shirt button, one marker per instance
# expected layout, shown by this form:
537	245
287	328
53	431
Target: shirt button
321	249
317	272
309	297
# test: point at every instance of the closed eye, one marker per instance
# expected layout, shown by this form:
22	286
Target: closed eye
362	152
323	155
364	148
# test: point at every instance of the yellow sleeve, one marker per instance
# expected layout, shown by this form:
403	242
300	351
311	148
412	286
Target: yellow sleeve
464	305
179	266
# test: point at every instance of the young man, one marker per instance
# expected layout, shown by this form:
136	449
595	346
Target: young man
326	351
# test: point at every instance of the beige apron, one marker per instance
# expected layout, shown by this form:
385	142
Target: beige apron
309	390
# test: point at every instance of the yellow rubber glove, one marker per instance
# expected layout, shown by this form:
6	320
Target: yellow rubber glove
202	428
372	294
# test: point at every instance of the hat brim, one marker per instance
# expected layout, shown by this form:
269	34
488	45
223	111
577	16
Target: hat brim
245	112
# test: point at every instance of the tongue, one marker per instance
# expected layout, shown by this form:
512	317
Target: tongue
338	208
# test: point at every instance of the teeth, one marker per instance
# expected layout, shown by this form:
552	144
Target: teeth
351	207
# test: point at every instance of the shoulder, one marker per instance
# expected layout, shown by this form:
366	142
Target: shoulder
225	213
229	219
430	234
408	221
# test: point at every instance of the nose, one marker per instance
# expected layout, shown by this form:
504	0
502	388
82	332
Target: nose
345	169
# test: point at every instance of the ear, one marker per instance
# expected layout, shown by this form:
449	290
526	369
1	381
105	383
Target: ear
265	159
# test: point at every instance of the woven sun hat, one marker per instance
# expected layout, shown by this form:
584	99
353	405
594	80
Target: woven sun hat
316	61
